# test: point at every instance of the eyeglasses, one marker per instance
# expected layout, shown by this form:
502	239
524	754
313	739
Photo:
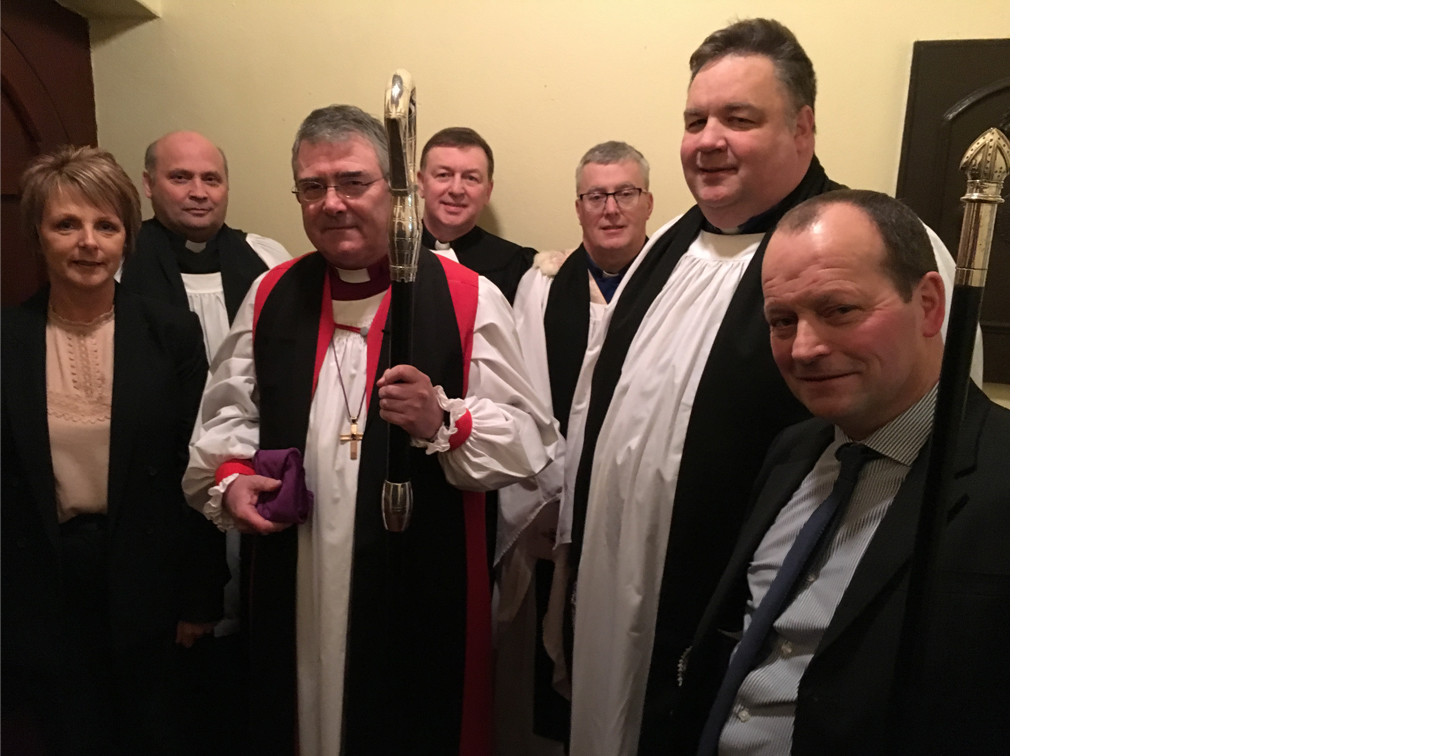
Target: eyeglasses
314	191
625	198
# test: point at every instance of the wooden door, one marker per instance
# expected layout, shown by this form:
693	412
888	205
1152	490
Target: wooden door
958	89
48	101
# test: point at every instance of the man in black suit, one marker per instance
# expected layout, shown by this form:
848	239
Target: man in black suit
855	309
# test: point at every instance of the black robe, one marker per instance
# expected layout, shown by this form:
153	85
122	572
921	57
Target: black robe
501	261
404	681
161	256
567	327
723	447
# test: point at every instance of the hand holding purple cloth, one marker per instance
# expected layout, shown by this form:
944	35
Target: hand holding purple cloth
292	501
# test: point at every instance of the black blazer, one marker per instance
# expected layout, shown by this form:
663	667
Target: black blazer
167	563
845	697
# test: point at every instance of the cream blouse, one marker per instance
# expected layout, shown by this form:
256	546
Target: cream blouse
79	372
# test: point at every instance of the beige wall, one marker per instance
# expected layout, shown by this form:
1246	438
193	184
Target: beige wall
542	80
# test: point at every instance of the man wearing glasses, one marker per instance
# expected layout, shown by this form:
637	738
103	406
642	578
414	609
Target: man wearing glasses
613	203
359	638
558	311
457	174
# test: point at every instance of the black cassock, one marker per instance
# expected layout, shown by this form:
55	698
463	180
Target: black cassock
501	261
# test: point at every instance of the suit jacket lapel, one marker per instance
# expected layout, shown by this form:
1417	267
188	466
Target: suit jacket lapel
24	377
779	485
894	540
133	359
889	550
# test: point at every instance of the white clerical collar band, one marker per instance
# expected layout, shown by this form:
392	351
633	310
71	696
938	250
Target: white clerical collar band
353	276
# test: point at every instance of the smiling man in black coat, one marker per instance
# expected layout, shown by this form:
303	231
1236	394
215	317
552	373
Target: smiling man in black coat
798	648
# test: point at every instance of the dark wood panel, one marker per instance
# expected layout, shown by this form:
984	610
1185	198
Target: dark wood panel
958	89
48	95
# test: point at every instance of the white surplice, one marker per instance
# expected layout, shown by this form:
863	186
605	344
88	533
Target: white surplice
512	438
632	482
206	296
523	512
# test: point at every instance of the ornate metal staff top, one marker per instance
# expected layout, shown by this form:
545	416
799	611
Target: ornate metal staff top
986	165
404	214
396	500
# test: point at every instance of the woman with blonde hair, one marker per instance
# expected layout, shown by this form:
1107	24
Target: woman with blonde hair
105	569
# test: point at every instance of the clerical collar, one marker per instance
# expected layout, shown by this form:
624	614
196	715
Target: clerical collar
428	240
765	222
348	285
205	259
606	282
193	257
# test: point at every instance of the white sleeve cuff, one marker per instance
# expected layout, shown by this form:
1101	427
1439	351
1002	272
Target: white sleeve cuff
454	409
214	510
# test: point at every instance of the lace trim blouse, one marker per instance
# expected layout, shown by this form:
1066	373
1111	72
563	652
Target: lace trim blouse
79	372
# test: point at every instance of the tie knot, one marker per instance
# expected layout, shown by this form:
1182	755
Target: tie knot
853	456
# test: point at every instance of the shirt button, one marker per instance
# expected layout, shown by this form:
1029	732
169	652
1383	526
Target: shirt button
811	577
786	649
742	714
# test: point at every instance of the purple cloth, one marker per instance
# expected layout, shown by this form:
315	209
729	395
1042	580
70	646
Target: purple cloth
292	501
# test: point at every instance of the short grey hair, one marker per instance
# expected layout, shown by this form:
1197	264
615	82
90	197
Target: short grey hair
610	153
338	123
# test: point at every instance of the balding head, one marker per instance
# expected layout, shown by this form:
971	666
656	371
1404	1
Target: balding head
188	182
856	337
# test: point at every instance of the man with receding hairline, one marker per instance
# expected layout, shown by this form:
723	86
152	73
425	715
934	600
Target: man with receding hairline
186	254
855	309
456	177
671	419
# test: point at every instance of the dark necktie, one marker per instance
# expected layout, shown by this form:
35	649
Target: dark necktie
748	652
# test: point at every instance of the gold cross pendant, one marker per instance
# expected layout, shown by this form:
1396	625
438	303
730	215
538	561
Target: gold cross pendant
353	437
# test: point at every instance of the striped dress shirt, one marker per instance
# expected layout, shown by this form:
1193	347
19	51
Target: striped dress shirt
763	717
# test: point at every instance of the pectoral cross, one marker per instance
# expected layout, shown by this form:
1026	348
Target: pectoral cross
353	437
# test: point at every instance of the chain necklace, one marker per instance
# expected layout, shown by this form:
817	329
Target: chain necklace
62	320
354	436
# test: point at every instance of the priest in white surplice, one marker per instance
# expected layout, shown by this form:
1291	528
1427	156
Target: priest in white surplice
189	256
671	420
363	640
559	309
